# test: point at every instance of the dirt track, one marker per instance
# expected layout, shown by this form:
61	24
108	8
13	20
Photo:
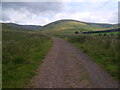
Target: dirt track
67	67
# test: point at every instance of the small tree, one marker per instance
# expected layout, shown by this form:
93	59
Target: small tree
104	34
76	32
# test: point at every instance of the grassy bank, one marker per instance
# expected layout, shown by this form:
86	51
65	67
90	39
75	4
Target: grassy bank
106	33
104	50
23	52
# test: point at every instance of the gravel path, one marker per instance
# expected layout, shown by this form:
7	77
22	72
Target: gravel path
65	66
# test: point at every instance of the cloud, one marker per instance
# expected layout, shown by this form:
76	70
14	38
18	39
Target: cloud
24	17
89	1
96	17
41	13
103	12
35	7
30	12
94	1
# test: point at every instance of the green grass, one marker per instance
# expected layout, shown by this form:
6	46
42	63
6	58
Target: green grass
22	52
104	50
62	27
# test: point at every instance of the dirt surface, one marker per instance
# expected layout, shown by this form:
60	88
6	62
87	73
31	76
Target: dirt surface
65	66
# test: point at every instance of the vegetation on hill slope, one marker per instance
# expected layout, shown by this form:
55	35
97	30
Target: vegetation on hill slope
14	26
65	26
70	26
22	53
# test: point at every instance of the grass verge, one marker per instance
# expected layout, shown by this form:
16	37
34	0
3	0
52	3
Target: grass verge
104	50
23	52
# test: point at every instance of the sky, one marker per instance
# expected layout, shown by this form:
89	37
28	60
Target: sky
41	13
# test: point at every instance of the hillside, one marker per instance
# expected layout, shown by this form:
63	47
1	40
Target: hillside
65	26
70	26
13	26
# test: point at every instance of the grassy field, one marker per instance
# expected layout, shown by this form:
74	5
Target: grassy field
23	52
104	50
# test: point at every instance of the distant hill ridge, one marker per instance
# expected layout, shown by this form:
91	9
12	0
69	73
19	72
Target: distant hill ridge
68	26
65	26
23	26
102	25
